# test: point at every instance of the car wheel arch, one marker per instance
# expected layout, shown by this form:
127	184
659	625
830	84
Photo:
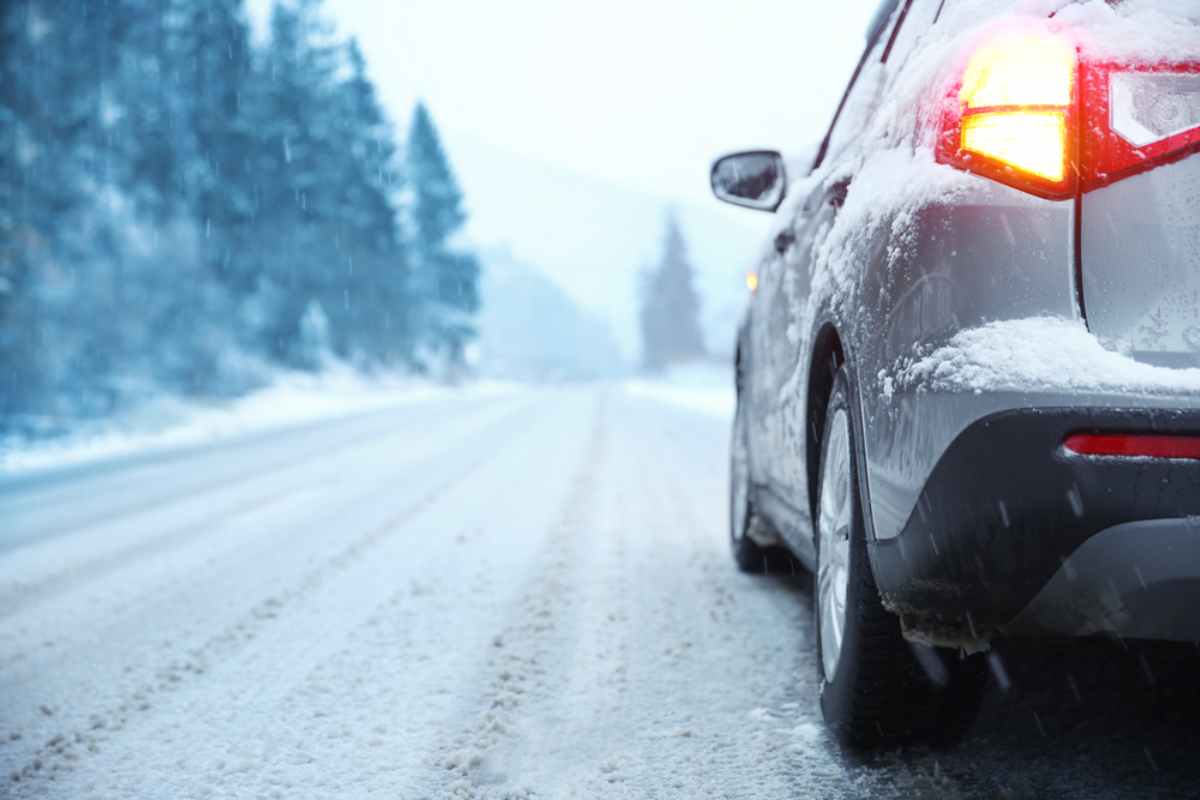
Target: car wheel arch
826	357
830	351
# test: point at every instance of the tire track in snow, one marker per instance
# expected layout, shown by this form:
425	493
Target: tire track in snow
176	493
571	736
359	718
516	668
130	607
762	626
603	681
23	594
650	681
64	749
685	665
273	453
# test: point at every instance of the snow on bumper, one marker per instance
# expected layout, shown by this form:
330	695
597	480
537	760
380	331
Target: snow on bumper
1037	355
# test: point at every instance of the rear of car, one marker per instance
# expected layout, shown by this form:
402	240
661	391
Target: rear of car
983	304
1053	341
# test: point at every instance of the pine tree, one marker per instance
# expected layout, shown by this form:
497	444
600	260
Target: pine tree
292	250
187	66
372	252
25	211
169	192
446	279
670	312
58	71
217	58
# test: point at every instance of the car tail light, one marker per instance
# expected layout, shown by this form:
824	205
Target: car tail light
1011	116
1133	445
1028	112
1137	118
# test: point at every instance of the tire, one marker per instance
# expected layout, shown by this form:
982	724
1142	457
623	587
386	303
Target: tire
877	689
749	555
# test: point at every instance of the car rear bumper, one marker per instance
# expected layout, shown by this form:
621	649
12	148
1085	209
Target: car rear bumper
1013	534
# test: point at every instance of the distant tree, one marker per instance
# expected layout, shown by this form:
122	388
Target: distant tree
445	276
26	210
374	252
189	136
293	250
58	156
217	66
670	311
327	227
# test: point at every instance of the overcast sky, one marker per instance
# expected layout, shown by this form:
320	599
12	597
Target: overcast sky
642	94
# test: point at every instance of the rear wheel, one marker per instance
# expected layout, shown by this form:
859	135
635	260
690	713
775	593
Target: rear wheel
876	688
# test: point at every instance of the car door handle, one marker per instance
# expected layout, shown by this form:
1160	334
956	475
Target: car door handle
784	239
835	195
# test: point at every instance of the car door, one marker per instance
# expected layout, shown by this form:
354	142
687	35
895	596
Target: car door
755	368
786	278
788	313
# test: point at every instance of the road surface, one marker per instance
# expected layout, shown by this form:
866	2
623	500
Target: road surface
516	596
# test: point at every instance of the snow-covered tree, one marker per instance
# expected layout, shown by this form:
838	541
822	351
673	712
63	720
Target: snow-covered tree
670	312
445	276
170	192
374	254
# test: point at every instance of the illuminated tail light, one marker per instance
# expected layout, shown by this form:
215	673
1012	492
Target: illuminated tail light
1028	113
1133	445
1011	117
1030	142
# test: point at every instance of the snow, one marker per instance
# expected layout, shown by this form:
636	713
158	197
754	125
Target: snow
706	388
1138	30
1015	355
462	597
474	595
170	423
482	592
1135	30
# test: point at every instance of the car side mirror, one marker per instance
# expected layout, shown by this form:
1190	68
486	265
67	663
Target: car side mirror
753	178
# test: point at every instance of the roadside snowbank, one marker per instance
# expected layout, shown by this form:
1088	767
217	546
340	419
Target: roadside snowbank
706	388
169	422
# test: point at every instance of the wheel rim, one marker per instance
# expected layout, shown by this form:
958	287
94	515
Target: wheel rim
739	482
834	521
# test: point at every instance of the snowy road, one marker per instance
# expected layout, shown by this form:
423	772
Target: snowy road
525	595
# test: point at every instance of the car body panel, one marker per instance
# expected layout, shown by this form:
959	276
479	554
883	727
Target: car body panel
1007	508
1135	580
1140	253
996	255
784	329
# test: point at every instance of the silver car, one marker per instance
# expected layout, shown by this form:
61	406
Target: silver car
969	373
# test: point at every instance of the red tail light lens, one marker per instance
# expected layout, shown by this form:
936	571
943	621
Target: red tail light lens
1133	445
1137	118
1029	114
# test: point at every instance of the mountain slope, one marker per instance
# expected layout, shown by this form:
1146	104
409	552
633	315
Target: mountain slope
531	329
591	237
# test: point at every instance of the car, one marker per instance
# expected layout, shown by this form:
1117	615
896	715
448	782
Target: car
968	375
